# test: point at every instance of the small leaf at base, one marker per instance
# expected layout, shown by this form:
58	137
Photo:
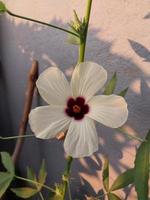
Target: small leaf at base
106	175
110	87
42	174
112	196
7	162
31	175
24	192
123	92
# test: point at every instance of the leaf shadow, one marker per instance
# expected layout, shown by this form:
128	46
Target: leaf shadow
140	50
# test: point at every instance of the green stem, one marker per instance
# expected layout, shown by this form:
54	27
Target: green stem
41	196
69	191
43	23
82	48
34	182
16	137
66	175
131	136
83	40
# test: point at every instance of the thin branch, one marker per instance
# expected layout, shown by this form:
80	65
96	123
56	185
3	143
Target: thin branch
16	137
33	75
43	23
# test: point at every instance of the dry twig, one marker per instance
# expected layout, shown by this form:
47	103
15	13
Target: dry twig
33	75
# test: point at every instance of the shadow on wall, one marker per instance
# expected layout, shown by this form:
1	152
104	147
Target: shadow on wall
49	47
5	119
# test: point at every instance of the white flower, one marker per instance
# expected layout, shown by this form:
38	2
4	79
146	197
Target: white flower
74	108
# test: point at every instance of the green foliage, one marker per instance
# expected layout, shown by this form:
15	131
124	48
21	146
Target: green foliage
42	173
123	180
27	192
105	175
72	39
5	180
123	92
142	163
112	196
6	177
32	176
7	162
2	7
79	27
110	87
24	192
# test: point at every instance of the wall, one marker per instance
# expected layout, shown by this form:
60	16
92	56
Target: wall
118	40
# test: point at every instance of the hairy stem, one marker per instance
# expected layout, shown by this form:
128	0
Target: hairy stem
83	40
43	23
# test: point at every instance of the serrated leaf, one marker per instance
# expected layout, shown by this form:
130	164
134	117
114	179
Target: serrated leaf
2	7
110	87
142	169
24	192
72	39
31	175
123	92
5	181
42	174
106	175
123	180
112	196
7	162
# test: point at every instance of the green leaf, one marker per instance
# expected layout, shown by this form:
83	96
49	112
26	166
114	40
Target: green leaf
7	162
123	92
2	7
142	169
110	87
123	180
72	39
112	196
5	180
42	174
106	175
31	175
24	192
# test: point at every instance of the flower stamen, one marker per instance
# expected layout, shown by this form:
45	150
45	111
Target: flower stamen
76	109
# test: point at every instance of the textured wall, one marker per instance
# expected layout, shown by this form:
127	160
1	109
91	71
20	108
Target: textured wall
118	39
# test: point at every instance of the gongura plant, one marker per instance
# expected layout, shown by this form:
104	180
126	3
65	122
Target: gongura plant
72	109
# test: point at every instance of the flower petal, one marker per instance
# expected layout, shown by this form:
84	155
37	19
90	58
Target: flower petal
81	139
47	121
53	86
87	79
109	110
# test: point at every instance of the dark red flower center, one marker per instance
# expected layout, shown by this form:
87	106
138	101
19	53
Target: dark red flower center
76	108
